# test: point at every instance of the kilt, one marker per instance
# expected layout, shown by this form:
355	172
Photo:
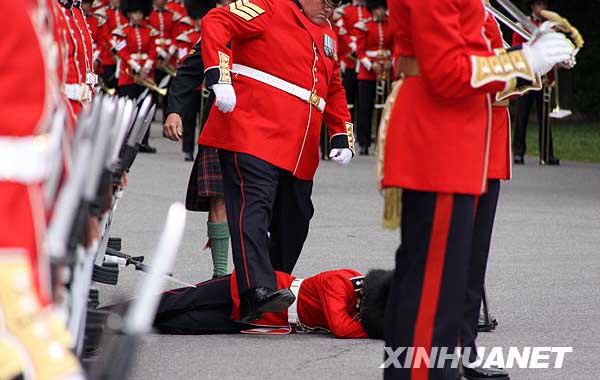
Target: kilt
205	181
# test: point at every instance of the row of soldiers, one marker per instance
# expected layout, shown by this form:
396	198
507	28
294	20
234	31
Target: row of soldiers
62	146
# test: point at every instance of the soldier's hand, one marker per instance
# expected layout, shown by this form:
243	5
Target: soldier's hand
341	156
224	97
548	50
173	127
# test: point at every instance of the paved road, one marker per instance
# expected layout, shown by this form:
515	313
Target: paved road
543	281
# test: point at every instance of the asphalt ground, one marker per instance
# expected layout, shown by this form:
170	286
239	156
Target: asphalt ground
543	279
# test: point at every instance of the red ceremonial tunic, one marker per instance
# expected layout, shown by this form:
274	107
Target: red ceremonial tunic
136	50
183	22
95	23
374	38
267	122
185	42
500	166
114	19
164	20
351	14
27	82
85	36
439	129
76	89
326	300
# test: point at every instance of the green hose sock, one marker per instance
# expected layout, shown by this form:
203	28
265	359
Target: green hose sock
218	233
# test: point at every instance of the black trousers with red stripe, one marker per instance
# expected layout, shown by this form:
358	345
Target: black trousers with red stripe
205	309
426	302
268	211
482	236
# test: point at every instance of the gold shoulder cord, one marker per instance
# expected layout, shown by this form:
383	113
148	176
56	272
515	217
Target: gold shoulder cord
563	25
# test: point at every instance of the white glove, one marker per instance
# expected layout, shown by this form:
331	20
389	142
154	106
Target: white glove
341	156
343	67
352	46
548	50
224	97
366	64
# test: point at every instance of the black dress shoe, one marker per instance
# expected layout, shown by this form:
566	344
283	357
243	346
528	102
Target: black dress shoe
519	160
480	373
487	326
364	151
551	162
188	157
256	301
145	148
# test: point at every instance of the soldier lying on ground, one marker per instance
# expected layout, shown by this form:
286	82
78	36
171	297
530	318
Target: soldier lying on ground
341	302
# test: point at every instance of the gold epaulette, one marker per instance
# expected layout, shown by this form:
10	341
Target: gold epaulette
502	67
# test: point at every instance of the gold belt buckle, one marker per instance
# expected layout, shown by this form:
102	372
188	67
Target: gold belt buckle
314	99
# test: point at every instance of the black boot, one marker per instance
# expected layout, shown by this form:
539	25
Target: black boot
256	301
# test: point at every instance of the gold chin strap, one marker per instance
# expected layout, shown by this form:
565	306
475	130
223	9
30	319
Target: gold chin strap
563	25
332	3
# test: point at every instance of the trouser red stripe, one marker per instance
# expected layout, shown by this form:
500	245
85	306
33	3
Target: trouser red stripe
237	168
434	268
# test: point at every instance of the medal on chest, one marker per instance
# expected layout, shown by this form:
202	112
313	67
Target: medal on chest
329	46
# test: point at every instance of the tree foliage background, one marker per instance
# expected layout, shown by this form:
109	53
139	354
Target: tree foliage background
580	87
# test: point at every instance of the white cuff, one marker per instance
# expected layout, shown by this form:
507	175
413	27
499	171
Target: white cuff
366	63
134	65
148	64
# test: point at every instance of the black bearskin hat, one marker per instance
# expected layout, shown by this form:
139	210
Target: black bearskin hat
373	4
376	288
145	6
198	8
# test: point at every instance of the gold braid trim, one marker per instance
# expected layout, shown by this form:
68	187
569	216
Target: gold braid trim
392	207
501	67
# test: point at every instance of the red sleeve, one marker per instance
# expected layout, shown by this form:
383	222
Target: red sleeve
361	41
517	40
234	22
441	52
334	299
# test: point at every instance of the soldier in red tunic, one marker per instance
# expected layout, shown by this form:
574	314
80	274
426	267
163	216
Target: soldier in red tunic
33	342
287	82
437	152
342	302
95	21
137	53
114	19
350	15
525	102
164	21
184	22
75	88
374	51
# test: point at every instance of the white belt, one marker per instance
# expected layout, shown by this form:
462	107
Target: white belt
293	309
283	85
378	53
139	56
91	79
24	159
80	92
